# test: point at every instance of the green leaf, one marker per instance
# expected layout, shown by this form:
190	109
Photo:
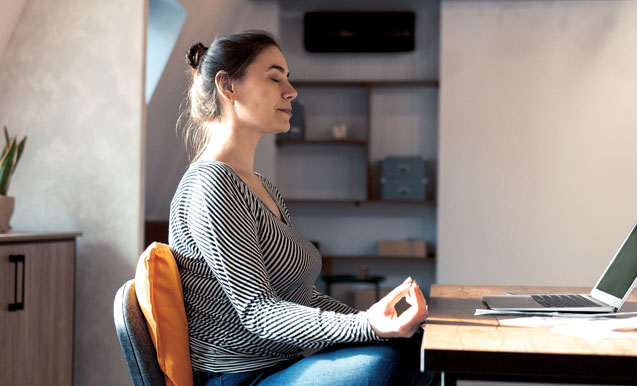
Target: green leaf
10	157
6	167
20	150
4	153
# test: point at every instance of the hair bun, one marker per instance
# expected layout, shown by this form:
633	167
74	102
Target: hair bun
195	53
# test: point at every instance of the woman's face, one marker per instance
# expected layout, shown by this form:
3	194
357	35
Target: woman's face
264	95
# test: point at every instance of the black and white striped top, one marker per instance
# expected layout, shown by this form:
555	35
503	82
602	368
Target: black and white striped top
248	277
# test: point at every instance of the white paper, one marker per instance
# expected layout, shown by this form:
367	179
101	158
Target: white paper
593	330
591	327
482	311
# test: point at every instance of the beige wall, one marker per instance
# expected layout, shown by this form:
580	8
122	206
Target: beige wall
71	78
166	155
538	168
11	11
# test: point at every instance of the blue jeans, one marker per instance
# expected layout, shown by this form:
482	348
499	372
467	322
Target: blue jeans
396	362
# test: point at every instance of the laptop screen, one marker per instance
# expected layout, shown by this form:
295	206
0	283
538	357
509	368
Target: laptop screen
622	271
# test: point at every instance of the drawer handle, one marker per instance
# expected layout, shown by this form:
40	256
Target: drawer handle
404	168
404	190
15	306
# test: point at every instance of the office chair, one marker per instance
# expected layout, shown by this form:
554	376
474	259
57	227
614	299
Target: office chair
137	346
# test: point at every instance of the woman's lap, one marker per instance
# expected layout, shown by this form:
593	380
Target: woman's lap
395	362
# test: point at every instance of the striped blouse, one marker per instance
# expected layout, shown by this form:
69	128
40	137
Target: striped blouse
248	277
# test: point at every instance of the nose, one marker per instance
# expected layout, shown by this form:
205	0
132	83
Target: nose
289	93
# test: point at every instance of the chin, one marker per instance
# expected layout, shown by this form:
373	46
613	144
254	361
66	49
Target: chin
282	129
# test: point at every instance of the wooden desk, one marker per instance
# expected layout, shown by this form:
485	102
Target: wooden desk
463	346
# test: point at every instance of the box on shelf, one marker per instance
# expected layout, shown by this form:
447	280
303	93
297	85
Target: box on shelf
403	167
403	178
403	189
402	248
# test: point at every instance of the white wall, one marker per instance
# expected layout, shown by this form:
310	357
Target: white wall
422	63
11	11
166	155
538	169
71	79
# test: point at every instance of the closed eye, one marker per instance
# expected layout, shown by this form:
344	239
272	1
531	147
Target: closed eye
275	80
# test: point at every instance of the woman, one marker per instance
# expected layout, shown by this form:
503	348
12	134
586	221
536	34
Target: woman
247	275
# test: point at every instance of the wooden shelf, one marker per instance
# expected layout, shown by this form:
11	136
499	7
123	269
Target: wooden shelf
358	202
328	261
366	83
347	142
362	92
428	259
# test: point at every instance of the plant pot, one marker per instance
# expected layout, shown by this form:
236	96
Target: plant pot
7	204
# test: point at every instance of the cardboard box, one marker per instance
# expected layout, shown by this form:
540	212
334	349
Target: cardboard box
402	248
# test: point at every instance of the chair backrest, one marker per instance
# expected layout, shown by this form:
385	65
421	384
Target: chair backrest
138	348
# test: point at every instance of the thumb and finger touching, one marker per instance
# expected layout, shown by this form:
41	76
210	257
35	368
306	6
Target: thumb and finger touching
397	293
389	324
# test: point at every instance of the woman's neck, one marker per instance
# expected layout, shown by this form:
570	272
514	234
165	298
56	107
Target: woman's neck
232	145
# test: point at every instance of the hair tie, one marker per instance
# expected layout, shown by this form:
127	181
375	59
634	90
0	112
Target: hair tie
195	54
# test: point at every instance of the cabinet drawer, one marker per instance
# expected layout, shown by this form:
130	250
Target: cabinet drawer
404	189
403	167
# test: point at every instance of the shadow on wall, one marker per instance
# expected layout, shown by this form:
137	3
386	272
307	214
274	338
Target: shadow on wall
95	291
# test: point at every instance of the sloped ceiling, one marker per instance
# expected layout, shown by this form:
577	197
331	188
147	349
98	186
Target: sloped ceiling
11	11
165	20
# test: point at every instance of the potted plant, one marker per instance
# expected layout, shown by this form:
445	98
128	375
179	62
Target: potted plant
10	157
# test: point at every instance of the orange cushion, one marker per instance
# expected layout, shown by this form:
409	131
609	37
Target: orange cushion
159	293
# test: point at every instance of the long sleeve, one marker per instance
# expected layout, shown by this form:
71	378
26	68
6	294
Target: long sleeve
328	303
223	224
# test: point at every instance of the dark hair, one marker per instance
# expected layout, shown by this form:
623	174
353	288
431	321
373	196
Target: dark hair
232	54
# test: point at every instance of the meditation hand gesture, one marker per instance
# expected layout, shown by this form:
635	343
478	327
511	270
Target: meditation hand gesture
386	322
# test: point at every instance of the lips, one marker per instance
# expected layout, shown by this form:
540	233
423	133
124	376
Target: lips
288	111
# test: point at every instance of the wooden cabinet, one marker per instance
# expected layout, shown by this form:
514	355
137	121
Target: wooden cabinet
37	280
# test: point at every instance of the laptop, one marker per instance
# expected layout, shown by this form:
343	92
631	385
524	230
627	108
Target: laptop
608	295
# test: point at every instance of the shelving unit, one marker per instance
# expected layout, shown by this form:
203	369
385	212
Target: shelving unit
389	103
361	132
328	260
317	138
361	202
334	142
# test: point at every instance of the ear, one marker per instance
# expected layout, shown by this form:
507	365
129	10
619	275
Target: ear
224	86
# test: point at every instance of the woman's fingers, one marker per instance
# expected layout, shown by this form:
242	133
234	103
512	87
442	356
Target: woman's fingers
416	294
383	317
417	313
397	293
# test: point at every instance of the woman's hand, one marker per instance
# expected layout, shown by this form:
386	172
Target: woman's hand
386	322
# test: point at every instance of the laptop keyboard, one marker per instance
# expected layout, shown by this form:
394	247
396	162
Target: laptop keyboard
564	301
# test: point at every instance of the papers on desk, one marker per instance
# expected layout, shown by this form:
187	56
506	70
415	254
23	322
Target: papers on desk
591	327
481	311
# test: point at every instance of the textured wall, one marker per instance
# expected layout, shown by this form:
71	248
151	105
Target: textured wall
166	155
537	139
9	17
71	78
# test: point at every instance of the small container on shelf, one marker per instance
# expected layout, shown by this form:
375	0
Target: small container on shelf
403	178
